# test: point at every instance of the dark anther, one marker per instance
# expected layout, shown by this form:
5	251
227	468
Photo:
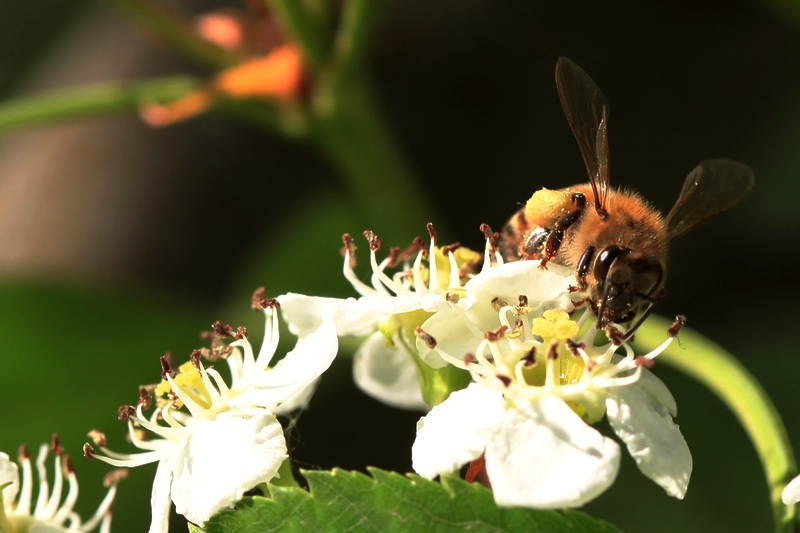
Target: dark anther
67	462
349	247
469	359
431	231
195	358
23	452
505	379
88	451
523	300
394	256
241	333
222	330
114	477
491	236
145	396
427	338
573	347
518	323
552	353
255	300
447	250
166	366
530	359
492	336
676	326
125	412
645	362
98	437
55	445
373	240
270	302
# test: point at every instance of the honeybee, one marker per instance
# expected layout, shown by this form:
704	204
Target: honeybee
616	241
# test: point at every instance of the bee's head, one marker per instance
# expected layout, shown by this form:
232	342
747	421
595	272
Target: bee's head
625	279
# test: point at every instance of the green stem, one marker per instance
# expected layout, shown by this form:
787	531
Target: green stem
738	389
302	29
175	29
90	100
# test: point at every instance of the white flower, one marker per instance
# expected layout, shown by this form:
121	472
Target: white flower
229	441
791	492
537	388
50	514
391	307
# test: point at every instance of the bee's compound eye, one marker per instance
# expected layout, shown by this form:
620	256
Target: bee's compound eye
604	260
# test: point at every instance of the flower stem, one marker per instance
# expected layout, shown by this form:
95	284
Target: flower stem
738	389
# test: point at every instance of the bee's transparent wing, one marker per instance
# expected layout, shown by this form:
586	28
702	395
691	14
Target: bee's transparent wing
713	187
587	112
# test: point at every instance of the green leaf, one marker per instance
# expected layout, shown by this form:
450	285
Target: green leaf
350	501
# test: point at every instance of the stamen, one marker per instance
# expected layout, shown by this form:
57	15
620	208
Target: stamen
125	412
26	490
433	273
72	493
349	263
270	344
222	330
104	510
493	336
455	278
255	300
676	326
645	362
166	366
241	333
58	483
416	271
98	437
44	485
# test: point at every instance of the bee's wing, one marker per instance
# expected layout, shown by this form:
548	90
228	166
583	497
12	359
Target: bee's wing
587	113
713	187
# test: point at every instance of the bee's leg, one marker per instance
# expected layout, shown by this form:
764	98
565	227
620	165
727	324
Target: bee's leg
556	236
583	267
640	321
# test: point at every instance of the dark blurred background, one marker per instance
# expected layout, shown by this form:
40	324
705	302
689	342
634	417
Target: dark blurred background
119	242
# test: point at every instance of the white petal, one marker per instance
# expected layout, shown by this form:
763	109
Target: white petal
9	473
353	317
652	385
653	439
299	400
225	458
388	374
791	493
452	336
160	497
544	456
456	431
294	373
545	289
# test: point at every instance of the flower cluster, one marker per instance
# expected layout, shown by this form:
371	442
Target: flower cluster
538	379
50	513
214	441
